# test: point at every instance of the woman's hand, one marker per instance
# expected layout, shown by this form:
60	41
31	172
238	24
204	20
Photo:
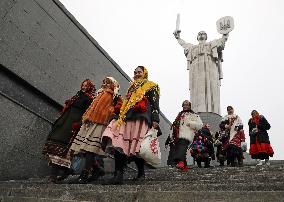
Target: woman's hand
155	124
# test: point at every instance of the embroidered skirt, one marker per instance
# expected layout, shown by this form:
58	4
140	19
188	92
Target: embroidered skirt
260	150
127	138
88	139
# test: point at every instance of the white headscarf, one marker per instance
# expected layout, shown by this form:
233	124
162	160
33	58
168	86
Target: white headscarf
116	86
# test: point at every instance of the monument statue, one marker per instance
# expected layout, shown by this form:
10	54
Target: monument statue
204	64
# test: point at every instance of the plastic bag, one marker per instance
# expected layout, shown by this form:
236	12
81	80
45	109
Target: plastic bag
150	149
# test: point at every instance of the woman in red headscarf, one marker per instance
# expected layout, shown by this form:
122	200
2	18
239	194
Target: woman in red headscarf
260	147
96	118
64	130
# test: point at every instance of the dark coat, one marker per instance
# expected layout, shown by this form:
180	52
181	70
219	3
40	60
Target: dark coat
62	132
152	106
262	135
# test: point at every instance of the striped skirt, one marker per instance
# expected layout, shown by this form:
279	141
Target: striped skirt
127	138
88	139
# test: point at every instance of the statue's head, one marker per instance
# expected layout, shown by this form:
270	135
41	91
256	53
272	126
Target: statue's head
201	36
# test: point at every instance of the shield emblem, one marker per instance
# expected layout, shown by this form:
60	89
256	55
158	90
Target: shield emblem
225	25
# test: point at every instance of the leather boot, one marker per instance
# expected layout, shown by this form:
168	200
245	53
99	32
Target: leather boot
140	167
207	163
96	173
83	178
65	174
120	161
118	179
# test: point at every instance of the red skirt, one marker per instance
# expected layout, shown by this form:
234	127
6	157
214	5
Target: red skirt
260	149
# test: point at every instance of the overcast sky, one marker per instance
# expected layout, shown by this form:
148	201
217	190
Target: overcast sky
139	32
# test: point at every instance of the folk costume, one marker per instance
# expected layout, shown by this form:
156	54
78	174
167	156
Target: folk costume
170	142
65	129
123	136
95	120
184	127
222	143
234	127
260	147
202	149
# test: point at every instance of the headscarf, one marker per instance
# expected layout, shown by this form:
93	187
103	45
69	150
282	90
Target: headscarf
136	93
256	118
90	92
135	84
91	88
116	87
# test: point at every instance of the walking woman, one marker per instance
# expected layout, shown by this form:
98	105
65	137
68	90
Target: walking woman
260	148
184	127
139	113
233	125
95	120
65	129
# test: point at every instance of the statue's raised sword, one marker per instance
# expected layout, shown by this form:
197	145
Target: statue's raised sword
177	24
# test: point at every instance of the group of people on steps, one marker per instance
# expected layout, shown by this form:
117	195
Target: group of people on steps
190	134
96	123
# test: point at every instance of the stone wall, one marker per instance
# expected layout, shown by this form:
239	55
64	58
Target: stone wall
44	55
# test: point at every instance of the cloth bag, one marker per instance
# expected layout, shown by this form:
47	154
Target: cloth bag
244	146
150	149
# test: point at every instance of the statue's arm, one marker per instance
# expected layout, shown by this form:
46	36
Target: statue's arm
181	42
222	41
225	37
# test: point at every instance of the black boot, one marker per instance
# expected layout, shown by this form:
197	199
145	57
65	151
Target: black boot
240	160
118	179
198	161
207	163
120	161
96	173
140	166
97	170
54	172
65	174
83	178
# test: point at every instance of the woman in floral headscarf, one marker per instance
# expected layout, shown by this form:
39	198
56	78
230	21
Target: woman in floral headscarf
95	120
260	147
139	112
65	129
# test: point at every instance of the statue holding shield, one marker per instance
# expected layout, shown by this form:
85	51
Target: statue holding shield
204	62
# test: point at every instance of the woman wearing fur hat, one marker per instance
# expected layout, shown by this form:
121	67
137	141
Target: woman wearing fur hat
260	148
139	113
95	120
65	129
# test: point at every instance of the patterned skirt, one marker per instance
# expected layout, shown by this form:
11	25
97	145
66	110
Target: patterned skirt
260	150
127	138
88	139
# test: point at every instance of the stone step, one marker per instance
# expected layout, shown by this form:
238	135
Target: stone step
57	190
201	182
33	199
163	196
248	183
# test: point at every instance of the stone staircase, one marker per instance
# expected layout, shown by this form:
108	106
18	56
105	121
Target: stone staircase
247	183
